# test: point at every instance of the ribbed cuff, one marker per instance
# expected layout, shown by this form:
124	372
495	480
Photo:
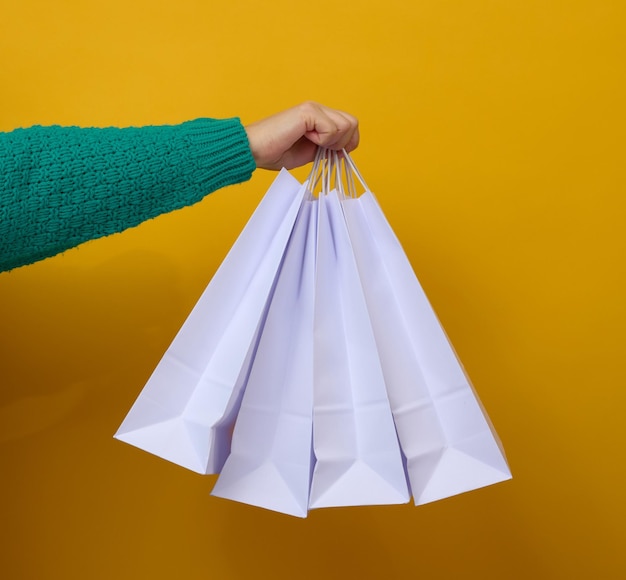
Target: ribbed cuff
219	152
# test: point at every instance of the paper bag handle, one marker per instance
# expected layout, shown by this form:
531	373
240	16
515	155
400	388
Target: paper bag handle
330	170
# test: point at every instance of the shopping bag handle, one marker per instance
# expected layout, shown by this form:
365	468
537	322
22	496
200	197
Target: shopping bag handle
353	170
330	169
317	172
322	173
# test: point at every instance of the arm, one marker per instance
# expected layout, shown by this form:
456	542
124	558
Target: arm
61	186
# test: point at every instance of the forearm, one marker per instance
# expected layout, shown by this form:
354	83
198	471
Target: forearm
61	186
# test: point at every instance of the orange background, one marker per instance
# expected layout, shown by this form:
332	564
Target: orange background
493	136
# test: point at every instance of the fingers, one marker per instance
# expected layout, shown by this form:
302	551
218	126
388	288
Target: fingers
330	128
290	138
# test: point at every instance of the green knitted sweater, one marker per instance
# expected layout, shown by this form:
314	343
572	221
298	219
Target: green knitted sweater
61	186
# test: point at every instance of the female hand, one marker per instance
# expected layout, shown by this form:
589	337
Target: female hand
290	139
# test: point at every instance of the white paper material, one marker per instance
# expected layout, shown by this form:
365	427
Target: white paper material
183	412
313	371
446	437
358	456
271	456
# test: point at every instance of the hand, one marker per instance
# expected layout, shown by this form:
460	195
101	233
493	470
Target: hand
290	139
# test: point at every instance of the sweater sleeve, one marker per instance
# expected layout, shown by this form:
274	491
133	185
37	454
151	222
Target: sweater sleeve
61	186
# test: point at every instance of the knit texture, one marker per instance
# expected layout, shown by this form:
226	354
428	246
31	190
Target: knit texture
61	186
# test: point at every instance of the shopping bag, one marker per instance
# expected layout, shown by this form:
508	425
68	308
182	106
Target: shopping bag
358	458
313	371
445	434
271	455
185	412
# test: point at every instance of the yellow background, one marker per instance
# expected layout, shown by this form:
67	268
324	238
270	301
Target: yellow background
493	135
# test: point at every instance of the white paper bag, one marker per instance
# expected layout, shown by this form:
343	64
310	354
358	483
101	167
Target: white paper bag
315	346
358	458
445	435
185	411
271	455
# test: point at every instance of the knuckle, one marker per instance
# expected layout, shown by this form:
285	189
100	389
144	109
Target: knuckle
308	106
